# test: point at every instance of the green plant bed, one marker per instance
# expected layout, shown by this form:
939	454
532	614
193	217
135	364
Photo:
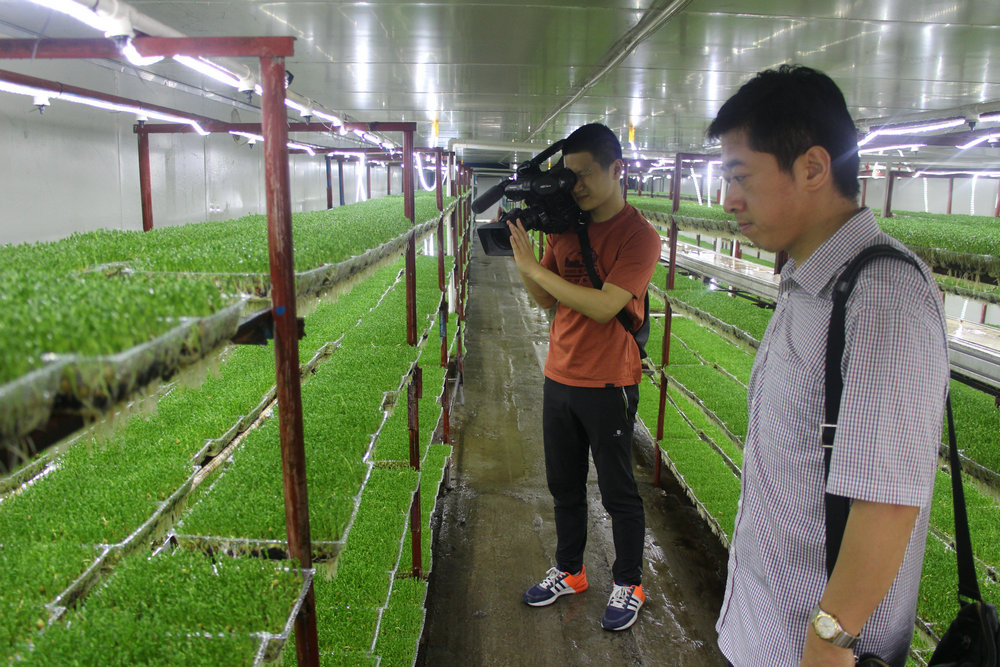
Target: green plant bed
116	639
703	470
938	602
973	234
178	597
402	622
90	314
59	309
335	315
31	575
348	600
713	348
977	425
983	513
372	359
723	396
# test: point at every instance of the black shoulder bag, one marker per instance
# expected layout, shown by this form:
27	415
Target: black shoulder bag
641	335
973	638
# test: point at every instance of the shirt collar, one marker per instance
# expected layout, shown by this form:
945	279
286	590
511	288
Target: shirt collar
824	264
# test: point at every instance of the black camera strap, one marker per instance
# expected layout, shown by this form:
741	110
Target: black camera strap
640	335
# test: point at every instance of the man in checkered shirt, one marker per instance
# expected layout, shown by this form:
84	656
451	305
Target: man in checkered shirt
789	151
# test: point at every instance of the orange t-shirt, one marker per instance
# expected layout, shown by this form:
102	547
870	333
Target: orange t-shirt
582	352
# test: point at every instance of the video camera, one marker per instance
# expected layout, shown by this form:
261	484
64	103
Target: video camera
548	195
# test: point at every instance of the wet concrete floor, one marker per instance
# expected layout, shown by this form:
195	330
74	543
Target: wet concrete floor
496	535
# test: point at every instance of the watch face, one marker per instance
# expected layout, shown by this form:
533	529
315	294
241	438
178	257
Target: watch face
826	627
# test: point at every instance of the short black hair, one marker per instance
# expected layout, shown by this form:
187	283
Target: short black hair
596	139
787	111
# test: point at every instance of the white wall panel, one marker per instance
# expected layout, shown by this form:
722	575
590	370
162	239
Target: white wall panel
75	168
908	195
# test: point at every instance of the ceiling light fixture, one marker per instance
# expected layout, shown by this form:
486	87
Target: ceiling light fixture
912	129
330	118
896	147
301	147
209	69
35	93
132	55
979	140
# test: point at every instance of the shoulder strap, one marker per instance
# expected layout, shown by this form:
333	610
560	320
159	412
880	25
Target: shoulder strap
623	317
837	507
968	586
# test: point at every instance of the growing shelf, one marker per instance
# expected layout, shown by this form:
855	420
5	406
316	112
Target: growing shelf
132	480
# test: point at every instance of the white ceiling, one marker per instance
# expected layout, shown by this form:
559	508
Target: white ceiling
510	73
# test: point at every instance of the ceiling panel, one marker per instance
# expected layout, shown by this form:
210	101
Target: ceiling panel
520	71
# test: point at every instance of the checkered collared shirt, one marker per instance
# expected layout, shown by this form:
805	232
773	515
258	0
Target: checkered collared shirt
896	372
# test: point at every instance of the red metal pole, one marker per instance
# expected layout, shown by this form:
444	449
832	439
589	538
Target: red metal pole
286	342
996	209
890	178
440	253
411	289
675	184
388	179
329	183
409	206
145	186
951	191
415	535
413	391
368	178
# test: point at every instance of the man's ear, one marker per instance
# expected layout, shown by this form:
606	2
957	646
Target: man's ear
619	168
815	168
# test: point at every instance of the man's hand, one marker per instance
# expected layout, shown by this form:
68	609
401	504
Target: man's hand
524	255
819	653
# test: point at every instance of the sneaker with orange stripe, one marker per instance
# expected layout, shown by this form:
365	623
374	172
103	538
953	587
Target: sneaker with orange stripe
623	607
555	584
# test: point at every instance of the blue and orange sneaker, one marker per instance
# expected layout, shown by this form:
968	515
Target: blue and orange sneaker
555	583
623	607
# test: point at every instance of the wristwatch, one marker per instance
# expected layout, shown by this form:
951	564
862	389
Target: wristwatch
828	628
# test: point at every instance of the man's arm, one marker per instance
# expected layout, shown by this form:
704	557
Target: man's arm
871	553
546	287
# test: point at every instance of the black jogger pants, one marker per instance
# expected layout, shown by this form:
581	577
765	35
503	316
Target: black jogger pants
579	422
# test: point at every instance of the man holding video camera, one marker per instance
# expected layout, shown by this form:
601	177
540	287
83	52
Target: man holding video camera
593	369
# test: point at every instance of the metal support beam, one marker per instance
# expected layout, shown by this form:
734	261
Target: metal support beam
951	192
890	180
340	179
409	206
145	184
411	290
329	182
438	180
286	344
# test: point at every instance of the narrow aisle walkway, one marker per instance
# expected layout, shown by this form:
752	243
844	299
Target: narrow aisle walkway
497	535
